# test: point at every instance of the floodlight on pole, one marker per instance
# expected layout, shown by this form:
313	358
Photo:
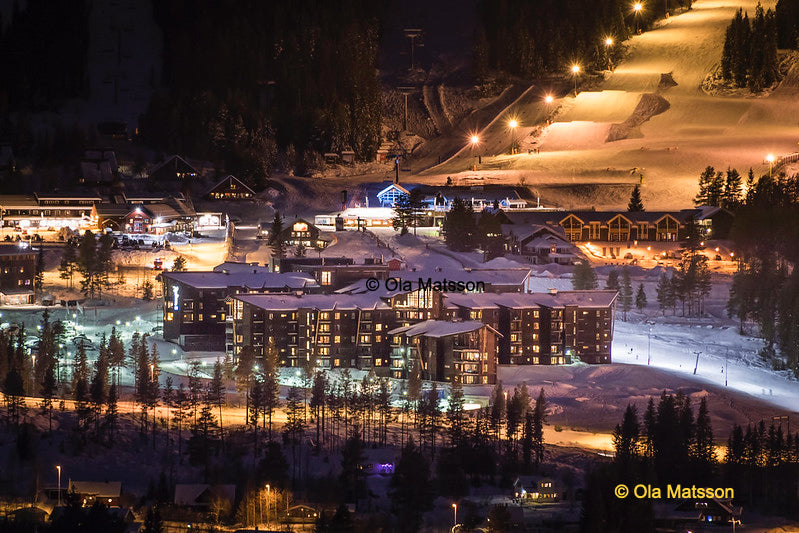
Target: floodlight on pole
608	44
575	73
549	99
770	159
513	124
58	467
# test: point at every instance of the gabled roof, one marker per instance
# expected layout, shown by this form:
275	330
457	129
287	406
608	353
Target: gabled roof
393	186
190	494
230	179
585	299
322	302
174	165
257	280
438	328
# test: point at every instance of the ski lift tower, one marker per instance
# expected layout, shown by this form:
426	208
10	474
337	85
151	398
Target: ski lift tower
406	92
413	34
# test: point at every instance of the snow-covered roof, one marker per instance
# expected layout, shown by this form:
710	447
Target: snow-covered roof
396	186
583	299
437	328
331	302
232	267
230	178
250	280
98	489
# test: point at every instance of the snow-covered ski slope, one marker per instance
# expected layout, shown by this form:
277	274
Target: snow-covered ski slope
669	148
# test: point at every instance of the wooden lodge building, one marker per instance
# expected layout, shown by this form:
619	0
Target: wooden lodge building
625	226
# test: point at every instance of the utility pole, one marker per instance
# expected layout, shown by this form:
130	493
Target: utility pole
649	346
696	366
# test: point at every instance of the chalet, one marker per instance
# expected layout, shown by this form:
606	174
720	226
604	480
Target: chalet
173	169
17	270
203	496
98	166
389	196
536	489
303	232
541	244
230	188
690	514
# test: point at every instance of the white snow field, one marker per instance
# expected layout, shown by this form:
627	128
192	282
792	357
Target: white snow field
670	148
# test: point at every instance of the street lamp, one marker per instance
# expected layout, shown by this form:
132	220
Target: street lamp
770	160
512	124
575	73
474	139
608	44
637	7
58	467
455	514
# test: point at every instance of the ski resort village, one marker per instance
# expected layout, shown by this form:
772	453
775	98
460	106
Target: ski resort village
399	266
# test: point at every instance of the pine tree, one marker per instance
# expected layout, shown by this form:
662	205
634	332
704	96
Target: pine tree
403	213
703	452
539	418
455	413
731	197
179	264
626	293
584	277
498	408
295	424
705	187
216	396
635	203
640	298
87	264
276	237
410	492
612	283
111	412
626	438
48	390
459	226
69	262
147	290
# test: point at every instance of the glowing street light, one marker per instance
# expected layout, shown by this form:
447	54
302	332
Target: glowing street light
474	140
549	99
455	514
770	159
513	124
608	44
637	7
575	73
58	467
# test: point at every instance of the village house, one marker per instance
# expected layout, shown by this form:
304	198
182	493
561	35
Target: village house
17	270
230	188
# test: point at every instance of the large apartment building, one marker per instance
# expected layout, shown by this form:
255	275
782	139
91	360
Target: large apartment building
445	335
195	303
